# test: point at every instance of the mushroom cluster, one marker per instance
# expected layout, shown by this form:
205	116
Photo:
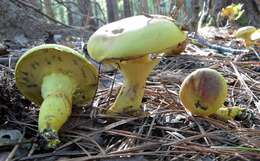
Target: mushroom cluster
55	77
132	45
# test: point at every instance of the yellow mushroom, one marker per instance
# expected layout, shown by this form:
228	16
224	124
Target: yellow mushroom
229	113
127	44
232	12
203	92
245	33
255	37
178	49
55	77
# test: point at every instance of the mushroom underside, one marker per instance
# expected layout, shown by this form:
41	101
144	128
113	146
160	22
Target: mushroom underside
31	71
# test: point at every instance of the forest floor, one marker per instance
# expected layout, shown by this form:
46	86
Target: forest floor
167	133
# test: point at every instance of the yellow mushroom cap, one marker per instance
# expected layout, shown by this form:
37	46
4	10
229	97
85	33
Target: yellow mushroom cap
244	31
134	37
203	91
255	36
51	58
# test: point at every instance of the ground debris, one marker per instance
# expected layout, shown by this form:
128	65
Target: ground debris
167	132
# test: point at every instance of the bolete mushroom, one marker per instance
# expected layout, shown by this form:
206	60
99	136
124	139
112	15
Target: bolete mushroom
255	37
128	44
245	33
203	92
55	77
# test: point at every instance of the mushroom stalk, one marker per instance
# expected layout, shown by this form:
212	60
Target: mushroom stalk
56	90
229	113
135	72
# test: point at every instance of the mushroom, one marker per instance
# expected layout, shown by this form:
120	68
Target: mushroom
55	77
203	92
128	45
255	37
177	49
245	33
232	12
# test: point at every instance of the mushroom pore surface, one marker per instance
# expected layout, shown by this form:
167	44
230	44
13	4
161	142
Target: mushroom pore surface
55	76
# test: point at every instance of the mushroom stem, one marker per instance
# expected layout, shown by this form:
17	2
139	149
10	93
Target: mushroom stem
56	90
247	40
229	113
135	72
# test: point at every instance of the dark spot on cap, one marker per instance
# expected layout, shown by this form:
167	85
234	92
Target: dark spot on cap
48	61
83	72
25	79
23	83
36	63
31	85
117	31
59	58
75	62
198	105
33	66
25	73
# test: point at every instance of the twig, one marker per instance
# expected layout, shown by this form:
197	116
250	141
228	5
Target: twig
8	60
12	153
32	149
111	88
205	11
108	127
220	48
255	98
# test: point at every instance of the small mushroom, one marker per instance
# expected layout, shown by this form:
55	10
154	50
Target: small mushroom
245	33
232	12
128	45
255	37
203	92
55	77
